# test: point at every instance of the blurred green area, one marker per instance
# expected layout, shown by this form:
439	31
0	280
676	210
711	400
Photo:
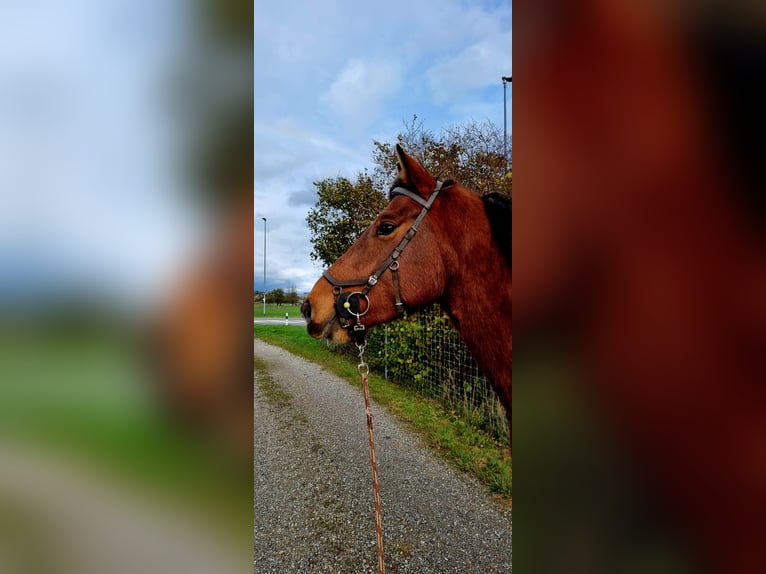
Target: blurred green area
84	390
581	504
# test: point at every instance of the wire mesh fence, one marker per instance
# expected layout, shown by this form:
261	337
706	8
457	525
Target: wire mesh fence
424	353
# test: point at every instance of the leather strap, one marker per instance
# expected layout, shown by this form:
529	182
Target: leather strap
395	278
424	203
342	282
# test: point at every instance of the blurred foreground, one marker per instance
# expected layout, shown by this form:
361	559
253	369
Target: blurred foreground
640	273
126	287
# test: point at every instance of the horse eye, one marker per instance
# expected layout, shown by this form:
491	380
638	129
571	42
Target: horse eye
386	229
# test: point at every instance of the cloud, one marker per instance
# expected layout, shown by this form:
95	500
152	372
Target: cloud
356	95
476	66
303	197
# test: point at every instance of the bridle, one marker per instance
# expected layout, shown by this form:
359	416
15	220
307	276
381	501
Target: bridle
347	303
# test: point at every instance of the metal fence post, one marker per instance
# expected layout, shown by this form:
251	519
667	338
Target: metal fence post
385	352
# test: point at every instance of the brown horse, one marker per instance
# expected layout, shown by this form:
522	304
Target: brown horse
460	256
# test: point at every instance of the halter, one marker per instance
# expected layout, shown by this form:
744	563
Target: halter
347	303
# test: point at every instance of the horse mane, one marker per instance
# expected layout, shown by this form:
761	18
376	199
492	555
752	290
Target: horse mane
498	210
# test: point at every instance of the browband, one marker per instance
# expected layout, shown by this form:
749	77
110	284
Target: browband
424	203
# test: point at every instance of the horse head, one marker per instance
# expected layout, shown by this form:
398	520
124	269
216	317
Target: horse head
399	261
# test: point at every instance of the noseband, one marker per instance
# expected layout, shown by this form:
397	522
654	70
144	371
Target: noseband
347	304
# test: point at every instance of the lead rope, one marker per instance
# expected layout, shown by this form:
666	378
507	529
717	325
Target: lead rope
364	371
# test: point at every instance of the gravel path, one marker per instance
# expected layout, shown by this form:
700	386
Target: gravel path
313	489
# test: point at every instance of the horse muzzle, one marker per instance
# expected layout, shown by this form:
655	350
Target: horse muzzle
327	327
306	310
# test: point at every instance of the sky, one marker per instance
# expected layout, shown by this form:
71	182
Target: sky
91	199
91	202
332	76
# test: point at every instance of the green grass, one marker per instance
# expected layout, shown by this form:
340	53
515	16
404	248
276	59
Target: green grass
274	311
464	446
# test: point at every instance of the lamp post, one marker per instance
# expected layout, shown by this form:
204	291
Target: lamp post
505	79
264	266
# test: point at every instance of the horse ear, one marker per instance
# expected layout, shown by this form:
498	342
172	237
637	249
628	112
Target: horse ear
412	174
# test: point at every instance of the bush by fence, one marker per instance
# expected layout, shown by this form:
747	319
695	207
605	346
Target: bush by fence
423	352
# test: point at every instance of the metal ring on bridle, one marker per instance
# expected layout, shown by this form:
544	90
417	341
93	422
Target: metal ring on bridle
394	265
366	308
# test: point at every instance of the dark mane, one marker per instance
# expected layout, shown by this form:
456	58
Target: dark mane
498	210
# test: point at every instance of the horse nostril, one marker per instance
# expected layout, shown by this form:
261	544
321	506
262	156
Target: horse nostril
306	310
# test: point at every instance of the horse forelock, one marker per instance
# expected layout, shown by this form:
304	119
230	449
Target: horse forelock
399	182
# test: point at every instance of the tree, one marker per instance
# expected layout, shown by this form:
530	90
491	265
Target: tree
471	153
276	296
291	297
342	212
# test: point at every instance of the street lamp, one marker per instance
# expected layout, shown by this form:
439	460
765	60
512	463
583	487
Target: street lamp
264	266
505	79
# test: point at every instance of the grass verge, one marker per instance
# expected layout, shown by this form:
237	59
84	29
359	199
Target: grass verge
274	311
467	448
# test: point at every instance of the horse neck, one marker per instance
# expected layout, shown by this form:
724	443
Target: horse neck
478	296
